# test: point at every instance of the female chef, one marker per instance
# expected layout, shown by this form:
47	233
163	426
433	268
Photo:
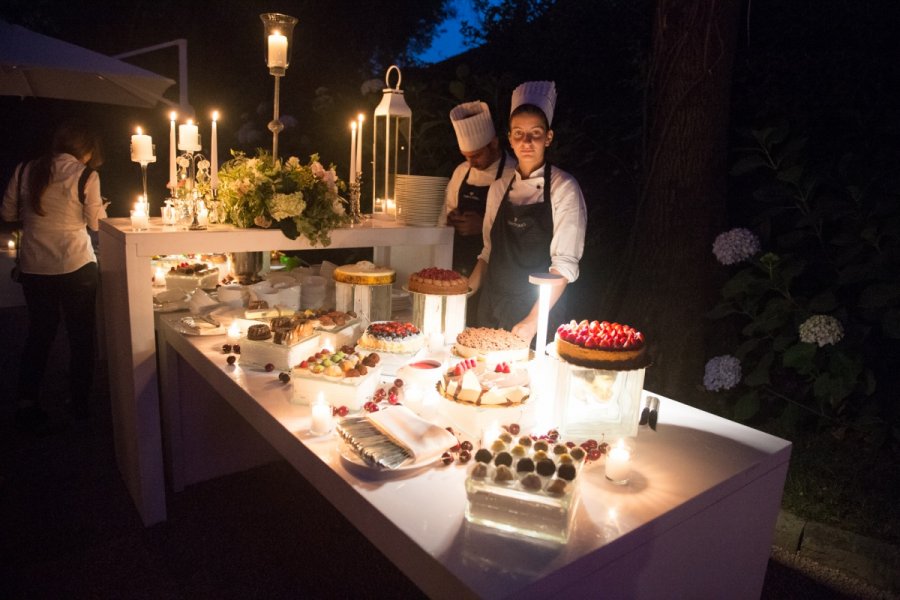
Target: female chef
534	222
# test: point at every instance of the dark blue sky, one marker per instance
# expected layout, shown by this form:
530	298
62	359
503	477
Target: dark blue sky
450	42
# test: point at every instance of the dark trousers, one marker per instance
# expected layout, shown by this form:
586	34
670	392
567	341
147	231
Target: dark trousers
71	296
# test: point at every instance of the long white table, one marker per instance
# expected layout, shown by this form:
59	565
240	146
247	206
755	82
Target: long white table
131	343
696	520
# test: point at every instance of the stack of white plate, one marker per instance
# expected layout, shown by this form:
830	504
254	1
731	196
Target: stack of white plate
420	199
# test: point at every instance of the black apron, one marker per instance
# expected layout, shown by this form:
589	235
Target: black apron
471	198
520	246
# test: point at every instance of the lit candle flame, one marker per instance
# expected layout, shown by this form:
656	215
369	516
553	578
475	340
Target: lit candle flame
139	131
215	115
173	115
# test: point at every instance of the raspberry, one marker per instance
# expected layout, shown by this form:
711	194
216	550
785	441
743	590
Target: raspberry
342	411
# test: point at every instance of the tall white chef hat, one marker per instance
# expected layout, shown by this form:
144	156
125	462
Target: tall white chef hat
539	93
473	124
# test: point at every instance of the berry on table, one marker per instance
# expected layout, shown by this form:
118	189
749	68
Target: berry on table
269	367
284	377
231	359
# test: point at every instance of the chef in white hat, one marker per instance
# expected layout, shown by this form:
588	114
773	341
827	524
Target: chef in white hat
535	222
466	196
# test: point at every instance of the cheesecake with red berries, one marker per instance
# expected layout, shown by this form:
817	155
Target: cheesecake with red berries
602	345
433	280
392	336
472	381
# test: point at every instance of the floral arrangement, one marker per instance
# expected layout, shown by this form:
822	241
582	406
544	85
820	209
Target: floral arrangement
298	199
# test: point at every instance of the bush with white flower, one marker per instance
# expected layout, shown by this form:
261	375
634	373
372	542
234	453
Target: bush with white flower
298	199
822	330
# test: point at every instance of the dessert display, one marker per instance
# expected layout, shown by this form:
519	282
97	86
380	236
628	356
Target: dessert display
344	377
365	289
438	281
525	485
474	382
392	336
493	344
601	345
260	309
282	343
601	378
190	276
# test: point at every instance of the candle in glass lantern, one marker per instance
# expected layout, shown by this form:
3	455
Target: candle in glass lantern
140	218
234	332
159	277
278	46
214	153
618	464
141	147
202	214
188	137
173	177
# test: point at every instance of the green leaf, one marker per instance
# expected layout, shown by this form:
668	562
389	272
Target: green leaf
879	295
748	164
739	283
890	323
288	228
824	302
791	152
746	347
854	273
791	174
721	310
747	406
780	343
760	374
799	357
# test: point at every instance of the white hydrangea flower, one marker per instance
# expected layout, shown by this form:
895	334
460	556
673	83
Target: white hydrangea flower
722	373
735	245
822	330
282	206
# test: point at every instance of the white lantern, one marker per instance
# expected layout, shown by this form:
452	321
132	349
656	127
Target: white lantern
391	147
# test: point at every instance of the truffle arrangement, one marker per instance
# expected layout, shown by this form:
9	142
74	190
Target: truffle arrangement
525	485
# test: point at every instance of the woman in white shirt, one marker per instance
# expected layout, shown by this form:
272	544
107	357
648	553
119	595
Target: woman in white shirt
535	222
56	197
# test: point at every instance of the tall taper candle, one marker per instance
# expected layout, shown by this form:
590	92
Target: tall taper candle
173	176
214	153
359	164
352	174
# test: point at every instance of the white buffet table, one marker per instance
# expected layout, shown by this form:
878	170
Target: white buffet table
696	521
127	296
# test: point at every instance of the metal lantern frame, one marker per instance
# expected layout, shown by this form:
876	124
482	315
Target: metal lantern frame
392	151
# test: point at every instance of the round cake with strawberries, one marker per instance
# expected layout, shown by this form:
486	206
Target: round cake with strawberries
438	281
602	345
392	336
472	381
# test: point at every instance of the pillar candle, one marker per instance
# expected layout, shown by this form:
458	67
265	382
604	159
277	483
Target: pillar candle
141	147
352	176
278	46
618	463
188	137
173	173
214	153
321	417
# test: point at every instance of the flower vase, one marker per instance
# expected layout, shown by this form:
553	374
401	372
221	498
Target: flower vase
246	266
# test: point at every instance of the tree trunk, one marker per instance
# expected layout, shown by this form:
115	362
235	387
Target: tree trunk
668	278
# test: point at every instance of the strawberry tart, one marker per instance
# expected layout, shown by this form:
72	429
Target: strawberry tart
438	281
602	345
474	382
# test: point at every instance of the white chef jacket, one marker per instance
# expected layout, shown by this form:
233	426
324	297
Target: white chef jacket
57	242
569	214
477	177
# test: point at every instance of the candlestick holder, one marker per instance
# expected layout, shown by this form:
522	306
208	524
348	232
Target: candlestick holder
193	176
356	216
278	30
144	162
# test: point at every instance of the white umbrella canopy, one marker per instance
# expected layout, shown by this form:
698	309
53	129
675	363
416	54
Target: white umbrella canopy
32	64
